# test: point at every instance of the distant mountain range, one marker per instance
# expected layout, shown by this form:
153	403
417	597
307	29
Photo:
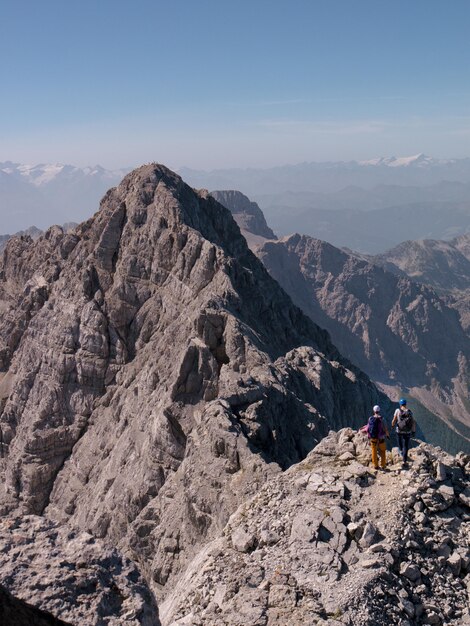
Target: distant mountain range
368	206
48	194
373	232
327	177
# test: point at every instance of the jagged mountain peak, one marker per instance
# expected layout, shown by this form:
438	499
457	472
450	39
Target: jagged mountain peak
247	214
153	191
152	369
153	378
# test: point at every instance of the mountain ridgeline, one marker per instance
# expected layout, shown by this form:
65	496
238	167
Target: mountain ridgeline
400	332
443	265
368	206
153	371
168	417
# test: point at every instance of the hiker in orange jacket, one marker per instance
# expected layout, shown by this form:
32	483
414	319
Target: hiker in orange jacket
377	431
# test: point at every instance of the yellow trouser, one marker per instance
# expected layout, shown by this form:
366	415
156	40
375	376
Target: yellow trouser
380	444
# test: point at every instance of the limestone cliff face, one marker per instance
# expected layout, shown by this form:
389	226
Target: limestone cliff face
442	265
247	214
153	374
400	332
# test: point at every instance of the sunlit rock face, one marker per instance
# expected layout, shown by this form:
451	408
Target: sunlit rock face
153	374
400	332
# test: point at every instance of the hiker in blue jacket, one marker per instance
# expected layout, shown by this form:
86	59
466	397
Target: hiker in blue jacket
403	418
377	431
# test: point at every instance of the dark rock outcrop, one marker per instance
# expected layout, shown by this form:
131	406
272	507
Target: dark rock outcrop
15	612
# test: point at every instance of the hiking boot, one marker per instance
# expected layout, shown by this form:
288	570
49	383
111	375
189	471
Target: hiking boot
384	469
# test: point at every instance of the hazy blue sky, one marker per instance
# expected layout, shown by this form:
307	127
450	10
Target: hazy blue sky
222	83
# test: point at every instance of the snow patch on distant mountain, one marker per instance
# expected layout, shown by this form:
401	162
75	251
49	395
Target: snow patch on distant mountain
50	193
417	160
40	174
44	173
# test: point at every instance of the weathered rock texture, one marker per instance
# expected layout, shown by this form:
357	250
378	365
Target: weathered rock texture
153	374
444	265
247	214
400	332
330	542
15	612
71	575
32	232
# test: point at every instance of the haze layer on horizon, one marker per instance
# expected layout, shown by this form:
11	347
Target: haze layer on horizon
217	85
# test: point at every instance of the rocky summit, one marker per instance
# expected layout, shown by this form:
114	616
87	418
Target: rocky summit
154	377
330	542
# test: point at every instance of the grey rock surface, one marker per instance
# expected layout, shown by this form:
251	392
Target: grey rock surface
358	555
400	332
72	575
153	375
247	214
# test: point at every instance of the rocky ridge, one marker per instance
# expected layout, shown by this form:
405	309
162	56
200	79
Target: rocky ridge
398	331
433	262
153	371
332	542
32	232
443	265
